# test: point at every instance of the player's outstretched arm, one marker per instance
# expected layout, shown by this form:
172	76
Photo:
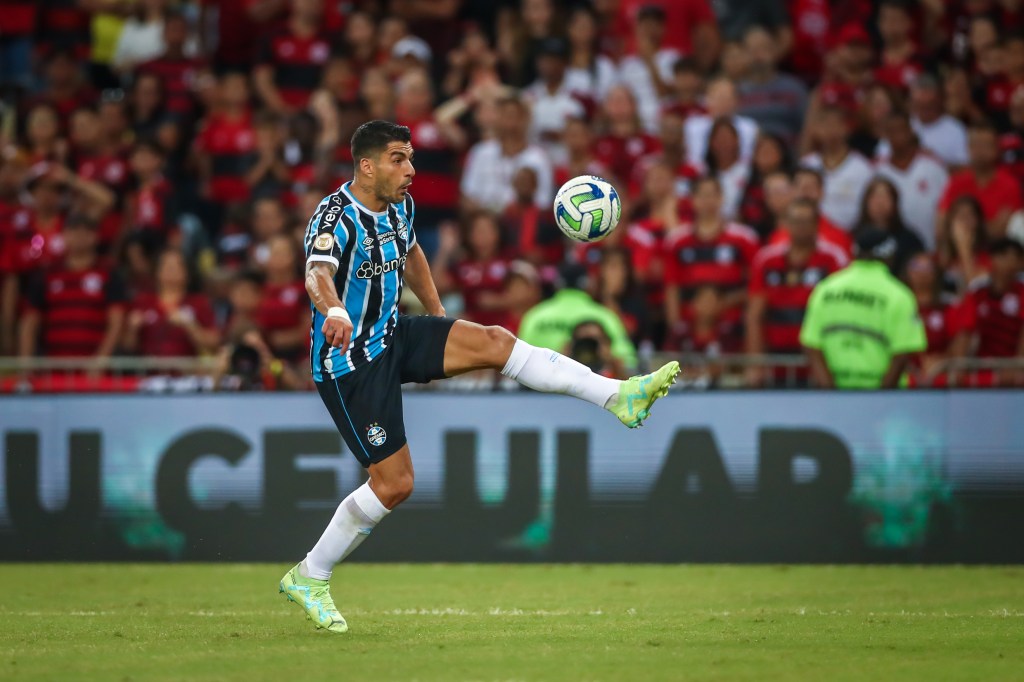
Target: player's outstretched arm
337	327
417	276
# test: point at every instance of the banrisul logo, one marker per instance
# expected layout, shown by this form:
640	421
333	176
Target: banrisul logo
376	435
368	270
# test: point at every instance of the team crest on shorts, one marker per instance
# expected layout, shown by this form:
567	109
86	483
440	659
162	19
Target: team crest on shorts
376	435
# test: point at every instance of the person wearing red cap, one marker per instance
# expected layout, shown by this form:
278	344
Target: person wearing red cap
998	192
847	74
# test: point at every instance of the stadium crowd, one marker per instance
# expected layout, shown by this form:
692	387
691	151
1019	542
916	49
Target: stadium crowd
160	160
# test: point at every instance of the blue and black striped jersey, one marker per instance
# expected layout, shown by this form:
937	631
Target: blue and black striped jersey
369	249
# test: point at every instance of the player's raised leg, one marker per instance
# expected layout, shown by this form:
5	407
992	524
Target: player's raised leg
472	347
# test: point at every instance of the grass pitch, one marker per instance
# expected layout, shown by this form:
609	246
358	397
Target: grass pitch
537	622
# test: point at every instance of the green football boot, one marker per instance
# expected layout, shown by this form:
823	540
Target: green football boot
314	596
637	394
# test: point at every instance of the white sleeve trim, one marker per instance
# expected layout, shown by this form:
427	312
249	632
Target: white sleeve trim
316	258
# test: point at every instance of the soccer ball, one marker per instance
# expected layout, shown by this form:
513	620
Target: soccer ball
587	208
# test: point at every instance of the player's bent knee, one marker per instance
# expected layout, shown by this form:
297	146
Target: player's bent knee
499	344
395	491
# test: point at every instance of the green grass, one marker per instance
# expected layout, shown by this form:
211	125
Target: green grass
471	622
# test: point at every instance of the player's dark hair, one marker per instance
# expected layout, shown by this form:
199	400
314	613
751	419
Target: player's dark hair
373	137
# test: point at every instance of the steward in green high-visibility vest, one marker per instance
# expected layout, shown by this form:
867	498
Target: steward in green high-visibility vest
862	325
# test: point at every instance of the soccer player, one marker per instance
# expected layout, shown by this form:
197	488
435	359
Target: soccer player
361	250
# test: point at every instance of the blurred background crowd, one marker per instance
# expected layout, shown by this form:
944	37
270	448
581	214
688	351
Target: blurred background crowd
159	161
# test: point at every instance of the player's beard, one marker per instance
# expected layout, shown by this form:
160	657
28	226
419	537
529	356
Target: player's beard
386	193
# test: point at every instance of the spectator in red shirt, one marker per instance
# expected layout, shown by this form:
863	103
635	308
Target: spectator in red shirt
65	89
578	140
624	142
171	321
75	309
810	20
43	141
687	86
291	61
707	327
690	26
993	310
174	68
226	144
270	218
94	158
64	25
996	189
360	41
962	244
480	273
1001	71
522	292
1011	142
661	213
283	313
530	231
777	192
809	183
35	237
239	25
12	173
147	105
438	145
899	63
946	338
244	295
673	155
150	206
771	156
618	290
781	280
708	252
115	123
270	175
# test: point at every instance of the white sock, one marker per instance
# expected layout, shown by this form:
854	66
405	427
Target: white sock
352	522
551	372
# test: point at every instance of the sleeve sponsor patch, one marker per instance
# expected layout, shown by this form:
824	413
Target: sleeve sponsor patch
324	242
